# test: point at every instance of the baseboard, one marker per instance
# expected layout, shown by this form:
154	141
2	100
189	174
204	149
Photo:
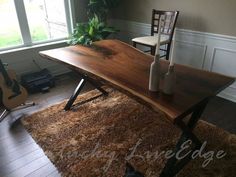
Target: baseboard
228	94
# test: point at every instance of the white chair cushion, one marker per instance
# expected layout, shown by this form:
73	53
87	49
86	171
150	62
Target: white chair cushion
151	40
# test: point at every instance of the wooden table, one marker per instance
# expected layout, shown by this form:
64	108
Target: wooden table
127	69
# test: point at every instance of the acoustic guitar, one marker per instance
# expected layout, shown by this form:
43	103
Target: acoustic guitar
12	93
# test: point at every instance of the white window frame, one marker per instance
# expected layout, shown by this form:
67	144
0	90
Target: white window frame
24	26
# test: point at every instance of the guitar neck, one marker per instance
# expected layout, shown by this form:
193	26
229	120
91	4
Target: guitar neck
4	73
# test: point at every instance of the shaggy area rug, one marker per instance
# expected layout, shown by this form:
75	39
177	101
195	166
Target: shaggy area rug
98	137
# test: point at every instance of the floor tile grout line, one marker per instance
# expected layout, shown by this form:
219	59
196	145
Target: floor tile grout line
20	140
15	149
56	170
43	155
8	136
22	157
52	172
38	169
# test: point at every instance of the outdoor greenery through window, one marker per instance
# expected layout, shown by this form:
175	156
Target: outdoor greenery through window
25	22
9	29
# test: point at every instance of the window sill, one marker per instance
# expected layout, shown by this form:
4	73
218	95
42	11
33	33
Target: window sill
22	47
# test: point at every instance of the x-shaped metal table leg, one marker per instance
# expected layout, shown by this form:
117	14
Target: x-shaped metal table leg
79	88
173	165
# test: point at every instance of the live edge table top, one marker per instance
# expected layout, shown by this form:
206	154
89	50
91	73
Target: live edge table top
128	69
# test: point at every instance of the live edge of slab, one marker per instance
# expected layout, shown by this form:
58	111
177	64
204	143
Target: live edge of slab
127	68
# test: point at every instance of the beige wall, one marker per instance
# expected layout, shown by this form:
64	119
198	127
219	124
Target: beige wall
80	7
214	16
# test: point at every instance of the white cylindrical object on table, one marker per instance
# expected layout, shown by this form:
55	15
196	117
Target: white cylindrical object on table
155	74
172	51
157	52
169	81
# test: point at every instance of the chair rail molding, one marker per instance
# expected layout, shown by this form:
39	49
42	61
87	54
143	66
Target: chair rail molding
208	51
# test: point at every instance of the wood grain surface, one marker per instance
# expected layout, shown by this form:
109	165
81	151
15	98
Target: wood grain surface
127	68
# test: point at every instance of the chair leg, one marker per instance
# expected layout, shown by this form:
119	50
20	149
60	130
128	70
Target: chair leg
134	44
168	51
153	50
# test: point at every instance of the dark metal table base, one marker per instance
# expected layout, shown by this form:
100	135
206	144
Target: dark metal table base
80	86
173	165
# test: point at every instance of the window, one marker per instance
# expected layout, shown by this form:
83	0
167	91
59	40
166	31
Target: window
10	34
46	18
29	22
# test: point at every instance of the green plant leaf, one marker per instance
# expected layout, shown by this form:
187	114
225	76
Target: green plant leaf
91	29
96	28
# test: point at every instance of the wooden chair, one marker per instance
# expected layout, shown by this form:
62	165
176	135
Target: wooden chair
167	31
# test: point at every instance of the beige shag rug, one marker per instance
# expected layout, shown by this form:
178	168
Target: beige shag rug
97	138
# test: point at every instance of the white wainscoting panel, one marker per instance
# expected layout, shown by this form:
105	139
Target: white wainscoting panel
222	61
211	52
192	54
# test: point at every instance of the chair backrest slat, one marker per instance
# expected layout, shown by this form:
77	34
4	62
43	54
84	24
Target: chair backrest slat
168	26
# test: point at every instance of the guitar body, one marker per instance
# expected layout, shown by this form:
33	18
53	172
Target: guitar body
12	95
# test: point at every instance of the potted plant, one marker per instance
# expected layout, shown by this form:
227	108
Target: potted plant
96	28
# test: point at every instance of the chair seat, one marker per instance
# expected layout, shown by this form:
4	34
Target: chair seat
151	40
